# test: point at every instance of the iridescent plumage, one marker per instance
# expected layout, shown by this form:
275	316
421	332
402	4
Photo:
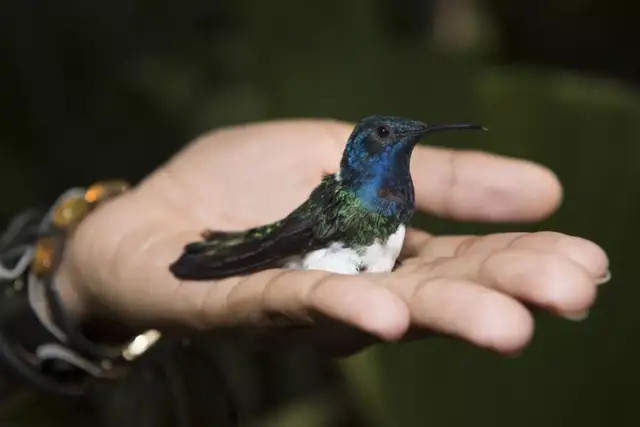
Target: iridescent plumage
352	222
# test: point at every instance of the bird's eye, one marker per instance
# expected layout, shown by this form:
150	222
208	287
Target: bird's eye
382	131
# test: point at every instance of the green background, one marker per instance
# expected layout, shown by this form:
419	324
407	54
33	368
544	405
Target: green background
89	91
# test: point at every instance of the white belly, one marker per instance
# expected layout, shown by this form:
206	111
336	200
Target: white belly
377	258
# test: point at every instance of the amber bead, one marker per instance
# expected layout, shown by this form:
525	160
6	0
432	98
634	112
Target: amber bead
101	191
43	256
70	212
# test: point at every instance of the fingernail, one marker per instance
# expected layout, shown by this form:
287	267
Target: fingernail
577	317
604	279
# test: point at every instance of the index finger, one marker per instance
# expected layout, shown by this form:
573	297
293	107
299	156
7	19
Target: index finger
472	185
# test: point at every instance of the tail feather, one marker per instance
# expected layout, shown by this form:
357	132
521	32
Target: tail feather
198	267
229	254
224	254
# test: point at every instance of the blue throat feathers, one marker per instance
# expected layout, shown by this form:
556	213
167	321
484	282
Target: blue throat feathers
380	179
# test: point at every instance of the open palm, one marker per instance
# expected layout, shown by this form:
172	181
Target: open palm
473	287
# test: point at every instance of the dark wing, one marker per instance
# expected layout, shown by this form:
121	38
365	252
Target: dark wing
228	254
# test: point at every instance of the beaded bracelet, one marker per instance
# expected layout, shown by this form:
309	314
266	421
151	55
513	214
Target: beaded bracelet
35	272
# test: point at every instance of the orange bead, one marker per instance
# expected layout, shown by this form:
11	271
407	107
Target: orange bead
70	212
103	190
43	256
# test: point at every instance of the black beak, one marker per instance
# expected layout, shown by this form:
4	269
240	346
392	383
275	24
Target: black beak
420	129
425	128
456	126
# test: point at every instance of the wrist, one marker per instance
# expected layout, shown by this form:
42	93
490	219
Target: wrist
60	302
66	280
92	320
76	280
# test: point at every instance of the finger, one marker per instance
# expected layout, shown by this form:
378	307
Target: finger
469	185
267	297
583	252
466	310
547	280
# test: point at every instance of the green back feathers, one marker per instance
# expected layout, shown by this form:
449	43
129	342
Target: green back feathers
331	214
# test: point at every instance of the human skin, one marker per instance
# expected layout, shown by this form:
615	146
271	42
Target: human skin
476	288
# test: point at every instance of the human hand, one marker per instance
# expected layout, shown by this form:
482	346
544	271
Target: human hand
476	288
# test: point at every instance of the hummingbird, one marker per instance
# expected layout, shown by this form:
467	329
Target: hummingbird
353	222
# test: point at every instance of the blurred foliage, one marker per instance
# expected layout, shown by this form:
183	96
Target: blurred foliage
94	90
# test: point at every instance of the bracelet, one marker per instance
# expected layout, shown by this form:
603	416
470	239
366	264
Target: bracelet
16	250
34	245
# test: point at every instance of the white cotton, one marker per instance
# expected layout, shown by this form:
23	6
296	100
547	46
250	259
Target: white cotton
377	258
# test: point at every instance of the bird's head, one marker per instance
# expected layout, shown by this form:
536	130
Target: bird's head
383	144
